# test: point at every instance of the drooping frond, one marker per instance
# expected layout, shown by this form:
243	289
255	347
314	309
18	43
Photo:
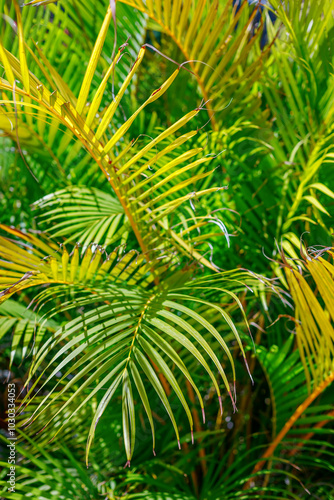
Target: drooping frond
134	330
38	263
314	314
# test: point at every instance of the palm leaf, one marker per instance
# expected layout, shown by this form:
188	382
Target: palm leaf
48	477
93	133
23	324
211	35
314	317
128	318
101	219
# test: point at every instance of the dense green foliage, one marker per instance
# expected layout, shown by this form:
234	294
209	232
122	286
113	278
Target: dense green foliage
166	248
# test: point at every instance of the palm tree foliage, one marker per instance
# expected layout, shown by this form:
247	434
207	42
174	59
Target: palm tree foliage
159	306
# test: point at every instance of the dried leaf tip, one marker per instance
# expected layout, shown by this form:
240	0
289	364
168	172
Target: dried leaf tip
249	373
235	409
220	404
192	436
179	444
203	415
128	464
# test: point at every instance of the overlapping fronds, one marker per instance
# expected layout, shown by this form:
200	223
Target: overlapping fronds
281	171
147	199
122	314
63	476
306	416
135	328
66	25
216	39
303	109
22	324
299	418
33	262
314	310
52	476
286	380
83	215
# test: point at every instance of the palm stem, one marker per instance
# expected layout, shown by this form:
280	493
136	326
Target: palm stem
299	411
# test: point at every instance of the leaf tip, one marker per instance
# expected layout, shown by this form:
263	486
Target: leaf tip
235	409
249	373
220	404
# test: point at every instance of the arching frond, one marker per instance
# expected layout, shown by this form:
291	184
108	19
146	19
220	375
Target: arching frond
109	146
214	38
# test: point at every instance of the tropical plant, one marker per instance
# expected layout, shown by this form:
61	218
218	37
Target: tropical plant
161	162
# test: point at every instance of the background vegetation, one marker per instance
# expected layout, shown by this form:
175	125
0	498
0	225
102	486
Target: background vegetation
166	272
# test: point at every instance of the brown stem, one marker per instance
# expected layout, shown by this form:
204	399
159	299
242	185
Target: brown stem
309	435
162	378
299	411
89	144
193	473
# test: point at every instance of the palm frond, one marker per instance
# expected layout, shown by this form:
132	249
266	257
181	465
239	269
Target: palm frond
314	316
213	37
133	331
141	206
22	323
47	476
83	215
